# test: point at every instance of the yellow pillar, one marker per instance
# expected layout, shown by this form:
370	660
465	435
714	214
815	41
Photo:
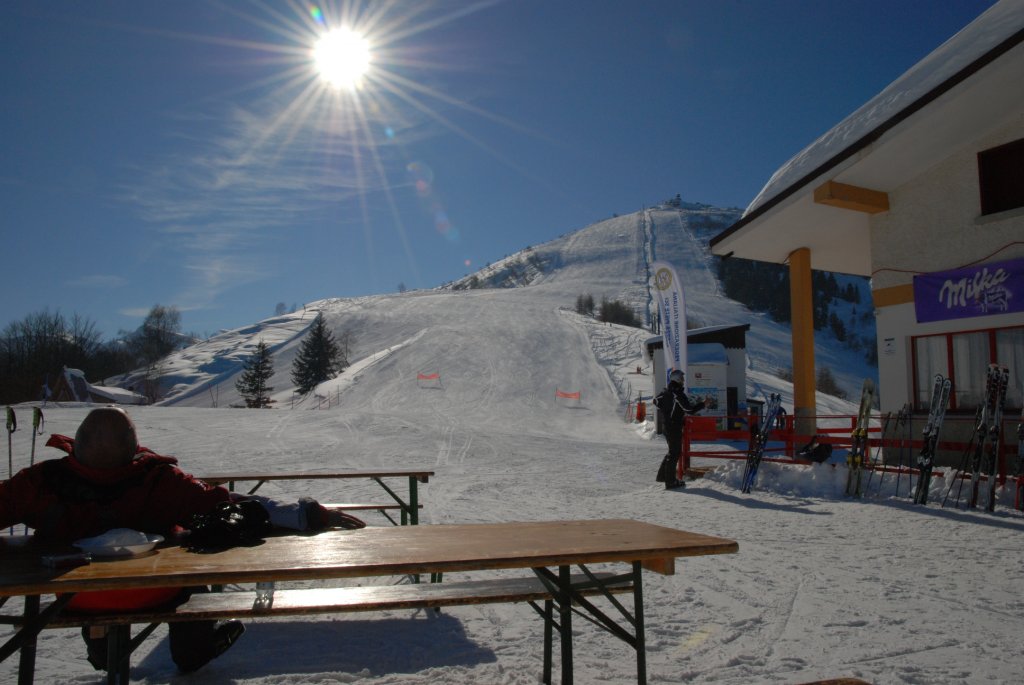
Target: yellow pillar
802	315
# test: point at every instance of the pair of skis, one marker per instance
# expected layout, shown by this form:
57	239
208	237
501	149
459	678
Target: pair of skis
859	440
988	430
1019	502
759	440
936	413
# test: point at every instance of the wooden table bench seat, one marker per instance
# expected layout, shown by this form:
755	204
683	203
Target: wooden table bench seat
407	506
382	507
314	601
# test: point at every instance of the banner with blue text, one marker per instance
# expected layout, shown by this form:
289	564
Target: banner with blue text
672	305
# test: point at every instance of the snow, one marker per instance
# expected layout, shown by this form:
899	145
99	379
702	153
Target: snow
822	586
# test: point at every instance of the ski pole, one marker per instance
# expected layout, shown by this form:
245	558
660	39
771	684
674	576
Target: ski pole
878	452
903	445
12	425
957	475
895	433
37	429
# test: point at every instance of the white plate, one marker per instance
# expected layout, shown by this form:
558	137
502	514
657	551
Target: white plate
101	550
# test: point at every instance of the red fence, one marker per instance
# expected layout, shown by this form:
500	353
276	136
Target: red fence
836	429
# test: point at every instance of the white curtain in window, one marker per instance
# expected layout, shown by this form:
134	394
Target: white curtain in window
931	359
1010	353
970	364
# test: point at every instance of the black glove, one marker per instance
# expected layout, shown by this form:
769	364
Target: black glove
230	524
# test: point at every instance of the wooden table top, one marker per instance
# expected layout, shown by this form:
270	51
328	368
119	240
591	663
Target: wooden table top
392	550
218	478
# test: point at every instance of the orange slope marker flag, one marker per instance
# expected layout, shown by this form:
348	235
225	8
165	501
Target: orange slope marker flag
429	380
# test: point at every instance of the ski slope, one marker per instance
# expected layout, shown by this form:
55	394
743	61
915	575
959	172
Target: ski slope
510	330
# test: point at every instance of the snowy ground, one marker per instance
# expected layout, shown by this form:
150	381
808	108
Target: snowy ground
822	586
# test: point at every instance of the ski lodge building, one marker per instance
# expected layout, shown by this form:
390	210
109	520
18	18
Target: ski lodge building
922	190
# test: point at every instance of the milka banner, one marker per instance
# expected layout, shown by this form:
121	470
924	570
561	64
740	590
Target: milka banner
672	305
996	288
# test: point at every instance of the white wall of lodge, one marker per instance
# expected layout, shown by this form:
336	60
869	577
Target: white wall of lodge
935	224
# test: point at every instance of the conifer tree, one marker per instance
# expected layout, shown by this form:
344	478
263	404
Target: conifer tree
252	385
319	358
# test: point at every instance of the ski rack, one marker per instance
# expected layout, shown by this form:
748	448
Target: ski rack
834	429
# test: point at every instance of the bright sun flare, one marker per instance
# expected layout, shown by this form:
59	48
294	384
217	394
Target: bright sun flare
342	57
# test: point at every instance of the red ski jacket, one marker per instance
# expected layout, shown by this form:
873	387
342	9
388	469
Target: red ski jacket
64	500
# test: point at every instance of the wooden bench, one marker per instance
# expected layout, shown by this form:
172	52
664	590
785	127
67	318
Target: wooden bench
318	601
408	506
382	507
314	601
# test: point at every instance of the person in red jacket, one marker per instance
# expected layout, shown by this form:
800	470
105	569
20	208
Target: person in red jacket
107	481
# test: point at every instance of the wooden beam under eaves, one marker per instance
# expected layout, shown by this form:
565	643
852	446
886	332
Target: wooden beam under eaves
845	196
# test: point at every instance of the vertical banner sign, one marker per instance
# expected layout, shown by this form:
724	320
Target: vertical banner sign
672	305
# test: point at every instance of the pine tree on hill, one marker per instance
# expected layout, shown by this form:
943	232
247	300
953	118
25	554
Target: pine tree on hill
319	358
252	385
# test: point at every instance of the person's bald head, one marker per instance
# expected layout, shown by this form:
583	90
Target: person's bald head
106	439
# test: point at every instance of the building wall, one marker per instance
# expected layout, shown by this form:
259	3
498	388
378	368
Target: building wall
935	224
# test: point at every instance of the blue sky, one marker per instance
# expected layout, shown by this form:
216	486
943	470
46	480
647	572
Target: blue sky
188	153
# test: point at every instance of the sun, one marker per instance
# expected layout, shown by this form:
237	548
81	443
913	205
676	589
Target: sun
342	57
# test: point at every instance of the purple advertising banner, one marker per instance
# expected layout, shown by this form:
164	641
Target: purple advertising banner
996	288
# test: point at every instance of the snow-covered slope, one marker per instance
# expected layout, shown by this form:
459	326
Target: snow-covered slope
516	330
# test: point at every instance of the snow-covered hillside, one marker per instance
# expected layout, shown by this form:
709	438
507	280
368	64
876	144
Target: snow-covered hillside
463	331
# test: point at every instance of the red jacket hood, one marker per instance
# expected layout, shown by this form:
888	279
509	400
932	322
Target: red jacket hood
144	458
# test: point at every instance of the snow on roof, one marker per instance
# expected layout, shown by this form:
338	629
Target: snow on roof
1000	23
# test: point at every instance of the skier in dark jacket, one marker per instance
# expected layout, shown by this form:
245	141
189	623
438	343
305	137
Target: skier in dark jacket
674	405
107	481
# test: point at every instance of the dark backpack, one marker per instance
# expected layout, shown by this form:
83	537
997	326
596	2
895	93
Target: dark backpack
230	524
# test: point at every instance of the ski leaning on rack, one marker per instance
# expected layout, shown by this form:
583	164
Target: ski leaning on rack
987	430
859	440
995	435
1020	463
936	413
760	439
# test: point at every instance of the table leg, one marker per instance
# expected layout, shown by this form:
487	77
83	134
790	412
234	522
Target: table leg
414	502
565	594
24	640
27	658
638	626
116	644
564	598
549	618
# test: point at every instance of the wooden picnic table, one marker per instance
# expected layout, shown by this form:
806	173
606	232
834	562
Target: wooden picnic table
409	506
549	548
